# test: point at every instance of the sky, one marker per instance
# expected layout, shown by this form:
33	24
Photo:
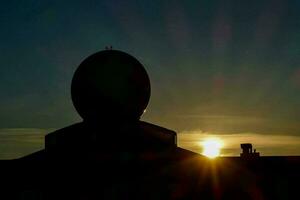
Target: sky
224	68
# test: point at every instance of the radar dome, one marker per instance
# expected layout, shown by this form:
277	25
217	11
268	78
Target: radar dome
110	84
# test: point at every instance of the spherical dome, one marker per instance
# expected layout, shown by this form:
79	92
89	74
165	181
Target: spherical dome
110	84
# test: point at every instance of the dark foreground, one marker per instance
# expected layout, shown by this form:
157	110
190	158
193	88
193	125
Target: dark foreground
184	176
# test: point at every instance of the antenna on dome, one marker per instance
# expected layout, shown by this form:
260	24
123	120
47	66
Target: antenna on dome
108	47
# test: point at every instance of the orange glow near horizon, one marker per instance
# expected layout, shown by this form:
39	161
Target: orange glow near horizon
212	147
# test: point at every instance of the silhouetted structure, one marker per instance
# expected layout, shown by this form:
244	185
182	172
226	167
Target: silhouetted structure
247	151
110	90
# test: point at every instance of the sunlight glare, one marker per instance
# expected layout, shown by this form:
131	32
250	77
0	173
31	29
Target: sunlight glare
211	147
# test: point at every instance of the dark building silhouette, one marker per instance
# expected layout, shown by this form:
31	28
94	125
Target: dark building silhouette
112	154
126	157
110	90
247	151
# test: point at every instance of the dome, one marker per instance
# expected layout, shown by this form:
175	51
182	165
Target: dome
110	84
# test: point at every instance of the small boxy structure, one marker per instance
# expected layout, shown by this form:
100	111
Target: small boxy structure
247	151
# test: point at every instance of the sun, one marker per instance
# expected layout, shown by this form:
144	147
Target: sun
212	147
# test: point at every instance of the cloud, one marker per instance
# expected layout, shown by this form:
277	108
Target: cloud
18	142
266	144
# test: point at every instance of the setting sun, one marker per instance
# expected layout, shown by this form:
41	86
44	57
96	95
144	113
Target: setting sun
211	147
